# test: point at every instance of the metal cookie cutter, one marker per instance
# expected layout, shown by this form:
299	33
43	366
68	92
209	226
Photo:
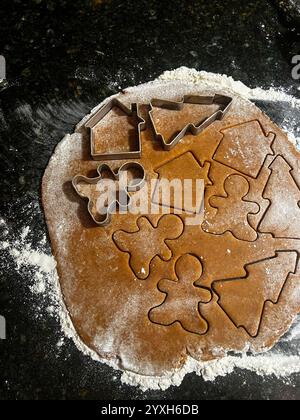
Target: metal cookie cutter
223	101
130	112
136	177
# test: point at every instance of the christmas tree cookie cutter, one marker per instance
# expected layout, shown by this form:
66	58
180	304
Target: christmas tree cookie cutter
140	125
223	101
133	184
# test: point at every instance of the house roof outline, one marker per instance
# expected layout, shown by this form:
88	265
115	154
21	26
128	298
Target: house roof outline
95	119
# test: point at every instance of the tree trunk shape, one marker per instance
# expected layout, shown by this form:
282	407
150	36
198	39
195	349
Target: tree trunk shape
243	299
283	215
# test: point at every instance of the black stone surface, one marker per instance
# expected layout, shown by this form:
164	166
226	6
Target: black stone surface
290	9
63	57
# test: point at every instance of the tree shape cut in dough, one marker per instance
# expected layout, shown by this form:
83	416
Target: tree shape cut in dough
244	299
183	298
148	242
282	218
233	210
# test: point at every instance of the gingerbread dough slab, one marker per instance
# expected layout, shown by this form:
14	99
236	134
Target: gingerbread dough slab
149	290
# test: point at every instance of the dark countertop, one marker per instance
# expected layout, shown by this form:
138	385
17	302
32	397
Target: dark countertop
64	57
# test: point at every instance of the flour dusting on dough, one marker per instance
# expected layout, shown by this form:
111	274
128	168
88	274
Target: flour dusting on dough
28	258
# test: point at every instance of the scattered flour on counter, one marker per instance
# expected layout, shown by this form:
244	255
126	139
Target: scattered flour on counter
222	81
294	333
43	280
39	269
280	366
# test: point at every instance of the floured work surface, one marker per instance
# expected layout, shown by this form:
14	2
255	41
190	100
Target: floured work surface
147	291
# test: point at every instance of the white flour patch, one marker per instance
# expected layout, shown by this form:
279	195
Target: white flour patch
294	333
277	365
222	81
44	285
39	268
203	79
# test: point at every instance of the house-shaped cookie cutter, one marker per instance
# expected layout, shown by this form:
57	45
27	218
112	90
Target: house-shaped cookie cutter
99	115
223	101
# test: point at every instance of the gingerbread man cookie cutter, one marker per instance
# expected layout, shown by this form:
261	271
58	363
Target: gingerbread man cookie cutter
139	127
136	183
223	101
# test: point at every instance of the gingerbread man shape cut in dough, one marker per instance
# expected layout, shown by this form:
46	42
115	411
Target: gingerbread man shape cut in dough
148	242
183	298
233	210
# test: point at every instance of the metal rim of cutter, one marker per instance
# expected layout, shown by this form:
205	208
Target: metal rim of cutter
116	174
130	112
225	103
